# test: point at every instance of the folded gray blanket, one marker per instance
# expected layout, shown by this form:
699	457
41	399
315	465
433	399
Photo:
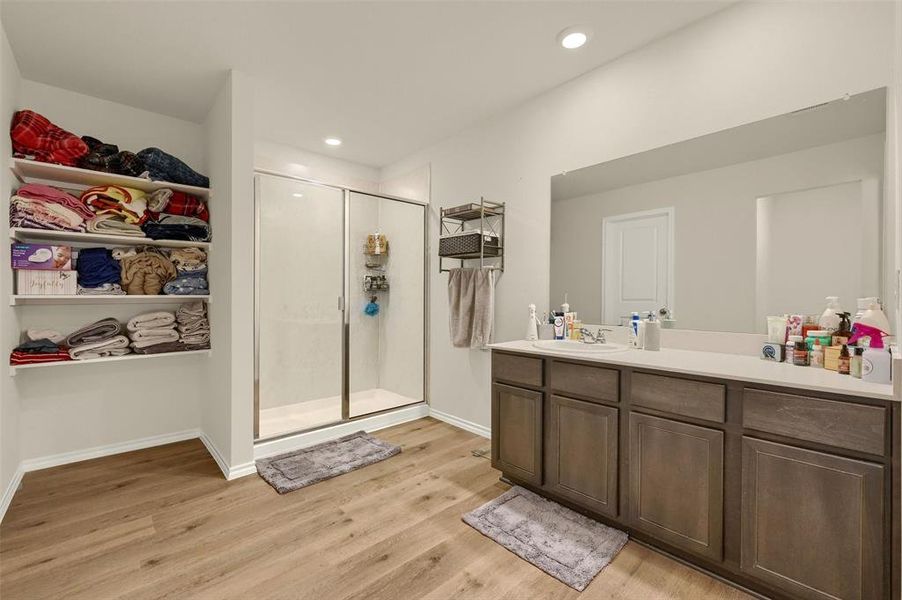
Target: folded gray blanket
155	335
106	289
160	348
103	329
191	311
197	338
115	346
151	320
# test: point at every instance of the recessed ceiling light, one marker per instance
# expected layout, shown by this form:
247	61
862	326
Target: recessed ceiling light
573	37
332	141
296	195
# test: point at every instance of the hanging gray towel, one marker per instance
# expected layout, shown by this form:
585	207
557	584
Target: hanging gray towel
471	300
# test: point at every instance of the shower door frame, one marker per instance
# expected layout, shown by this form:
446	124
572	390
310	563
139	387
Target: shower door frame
342	302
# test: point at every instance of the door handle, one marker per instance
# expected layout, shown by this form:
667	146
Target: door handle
341	303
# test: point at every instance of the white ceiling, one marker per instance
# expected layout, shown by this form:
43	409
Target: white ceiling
833	121
387	77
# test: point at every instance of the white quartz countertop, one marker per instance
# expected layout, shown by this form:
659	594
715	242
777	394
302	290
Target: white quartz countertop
725	366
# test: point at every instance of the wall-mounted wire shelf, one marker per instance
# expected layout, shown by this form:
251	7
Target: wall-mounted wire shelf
472	231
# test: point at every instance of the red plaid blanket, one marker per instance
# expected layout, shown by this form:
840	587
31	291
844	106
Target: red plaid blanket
34	135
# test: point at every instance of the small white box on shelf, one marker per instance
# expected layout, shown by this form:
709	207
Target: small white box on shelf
46	283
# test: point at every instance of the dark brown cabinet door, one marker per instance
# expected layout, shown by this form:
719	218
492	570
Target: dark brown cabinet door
812	522
676	483
517	432
581	453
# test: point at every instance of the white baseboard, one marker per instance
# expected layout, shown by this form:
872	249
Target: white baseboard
470	426
55	460
10	491
269	448
227	471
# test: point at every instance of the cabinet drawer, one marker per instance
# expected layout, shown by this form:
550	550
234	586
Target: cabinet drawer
840	424
679	396
585	381
517	369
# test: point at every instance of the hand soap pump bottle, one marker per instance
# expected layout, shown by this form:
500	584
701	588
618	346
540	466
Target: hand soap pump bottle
652	335
532	330
829	320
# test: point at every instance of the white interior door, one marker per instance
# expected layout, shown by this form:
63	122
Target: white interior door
638	263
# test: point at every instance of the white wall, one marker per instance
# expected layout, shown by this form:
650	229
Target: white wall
78	408
10	454
227	405
749	62
288	160
129	128
715	233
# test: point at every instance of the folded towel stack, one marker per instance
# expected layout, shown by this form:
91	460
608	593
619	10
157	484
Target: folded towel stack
104	289
42	346
38	206
110	224
193	326
98	340
191	266
149	331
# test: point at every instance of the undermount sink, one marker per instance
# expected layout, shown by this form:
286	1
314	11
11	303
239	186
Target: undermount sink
573	346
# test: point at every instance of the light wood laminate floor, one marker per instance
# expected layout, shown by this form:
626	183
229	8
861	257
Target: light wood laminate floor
162	523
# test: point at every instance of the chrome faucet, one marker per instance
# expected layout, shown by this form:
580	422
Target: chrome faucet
587	337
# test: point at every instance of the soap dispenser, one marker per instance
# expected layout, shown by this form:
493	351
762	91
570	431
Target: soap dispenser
652	336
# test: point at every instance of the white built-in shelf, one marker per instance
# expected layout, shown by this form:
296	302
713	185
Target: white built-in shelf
31	171
22	299
13	369
21	234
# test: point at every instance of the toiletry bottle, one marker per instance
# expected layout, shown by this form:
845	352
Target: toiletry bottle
841	336
652	335
791	341
800	354
844	361
855	363
559	327
816	356
829	320
532	331
876	365
634	330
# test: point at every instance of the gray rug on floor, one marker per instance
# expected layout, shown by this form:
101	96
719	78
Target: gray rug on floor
300	468
565	544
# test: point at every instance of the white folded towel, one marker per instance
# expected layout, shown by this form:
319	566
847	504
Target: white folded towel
151	320
115	346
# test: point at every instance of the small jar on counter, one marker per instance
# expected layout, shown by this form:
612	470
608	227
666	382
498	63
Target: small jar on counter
855	363
791	341
816	356
844	361
800	353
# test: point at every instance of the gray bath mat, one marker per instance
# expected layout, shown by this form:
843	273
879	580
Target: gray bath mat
565	544
294	470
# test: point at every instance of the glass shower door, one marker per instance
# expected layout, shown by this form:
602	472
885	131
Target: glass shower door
386	298
300	265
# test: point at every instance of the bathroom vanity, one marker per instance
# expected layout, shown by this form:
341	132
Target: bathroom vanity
784	480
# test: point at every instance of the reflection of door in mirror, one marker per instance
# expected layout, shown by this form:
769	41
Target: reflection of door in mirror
834	231
637	271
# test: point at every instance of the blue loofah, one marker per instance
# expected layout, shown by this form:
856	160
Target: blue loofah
372	309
